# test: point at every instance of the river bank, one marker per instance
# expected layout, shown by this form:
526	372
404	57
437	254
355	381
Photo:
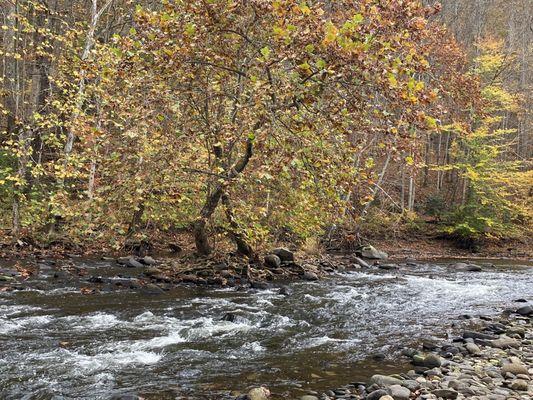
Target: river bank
494	362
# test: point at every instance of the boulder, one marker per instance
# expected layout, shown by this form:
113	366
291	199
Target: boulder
384	380
446	393
372	253
260	393
284	254
525	311
272	261
399	392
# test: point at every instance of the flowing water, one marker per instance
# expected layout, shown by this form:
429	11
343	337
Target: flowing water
60	344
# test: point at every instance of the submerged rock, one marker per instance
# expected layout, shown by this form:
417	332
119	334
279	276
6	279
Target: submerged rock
464	267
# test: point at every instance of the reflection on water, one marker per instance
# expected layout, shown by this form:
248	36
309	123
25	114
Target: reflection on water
184	343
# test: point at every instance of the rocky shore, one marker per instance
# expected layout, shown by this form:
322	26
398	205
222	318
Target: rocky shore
493	361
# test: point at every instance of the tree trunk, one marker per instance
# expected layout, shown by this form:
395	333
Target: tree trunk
201	237
243	248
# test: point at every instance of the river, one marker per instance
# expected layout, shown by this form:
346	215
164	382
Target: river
200	343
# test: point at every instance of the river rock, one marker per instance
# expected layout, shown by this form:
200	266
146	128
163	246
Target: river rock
285	291
377	395
514	366
429	361
504	342
147	260
152	271
387	397
260	393
284	254
478	335
464	267
129	262
473	348
272	261
384	380
399	392
309	397
310	276
519	384
362	263
446	393
525	311
388	267
372	253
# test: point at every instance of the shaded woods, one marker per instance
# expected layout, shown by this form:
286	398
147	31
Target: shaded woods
260	121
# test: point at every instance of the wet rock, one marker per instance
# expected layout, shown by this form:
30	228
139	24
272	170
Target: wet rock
384	380
129	262
285	291
272	261
372	253
261	393
284	254
464	267
310	276
388	267
259	285
362	263
377	395
446	393
429	361
399	392
151	289
525	311
519	384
